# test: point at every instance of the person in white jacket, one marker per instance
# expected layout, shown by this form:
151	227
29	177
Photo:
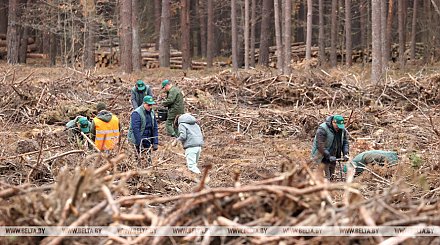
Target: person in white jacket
191	137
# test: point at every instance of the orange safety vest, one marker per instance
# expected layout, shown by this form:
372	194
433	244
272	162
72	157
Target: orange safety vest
107	133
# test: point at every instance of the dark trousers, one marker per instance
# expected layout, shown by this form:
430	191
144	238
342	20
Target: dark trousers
329	169
144	153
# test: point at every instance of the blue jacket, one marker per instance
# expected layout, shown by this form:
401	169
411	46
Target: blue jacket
143	125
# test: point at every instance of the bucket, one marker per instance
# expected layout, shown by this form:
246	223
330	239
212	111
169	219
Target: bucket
162	115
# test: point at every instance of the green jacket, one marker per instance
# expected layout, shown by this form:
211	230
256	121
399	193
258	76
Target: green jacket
137	97
325	137
174	102
373	157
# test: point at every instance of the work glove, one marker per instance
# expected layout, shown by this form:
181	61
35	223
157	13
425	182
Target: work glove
155	147
332	159
346	157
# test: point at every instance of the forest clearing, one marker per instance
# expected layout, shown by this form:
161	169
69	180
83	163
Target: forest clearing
258	129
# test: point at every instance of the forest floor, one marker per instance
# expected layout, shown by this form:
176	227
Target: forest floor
258	130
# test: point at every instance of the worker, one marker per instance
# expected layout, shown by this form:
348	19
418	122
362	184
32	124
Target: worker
372	157
175	105
330	143
105	129
138	92
76	126
191	137
143	132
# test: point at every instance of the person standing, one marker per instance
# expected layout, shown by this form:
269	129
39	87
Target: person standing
191	137
143	126
105	129
330	143
138	92
175	105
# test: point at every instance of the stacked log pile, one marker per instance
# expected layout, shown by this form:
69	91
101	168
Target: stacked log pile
31	48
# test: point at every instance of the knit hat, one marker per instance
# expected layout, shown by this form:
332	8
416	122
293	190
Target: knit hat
101	106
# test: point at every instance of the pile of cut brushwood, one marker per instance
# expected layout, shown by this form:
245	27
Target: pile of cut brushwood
47	181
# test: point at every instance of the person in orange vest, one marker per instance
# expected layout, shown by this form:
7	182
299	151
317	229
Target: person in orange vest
105	129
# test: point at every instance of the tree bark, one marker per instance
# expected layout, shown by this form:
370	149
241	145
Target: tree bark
136	48
376	50
413	31
246	34
234	34
333	33
185	35
322	58
363	25
253	24
383	27
13	35
203	24
157	14
309	30
126	38
287	36
348	40
388	35
263	58
89	34
279	50
210	35
3	16
401	27
164	47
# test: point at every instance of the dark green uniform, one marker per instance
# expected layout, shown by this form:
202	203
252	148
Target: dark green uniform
174	103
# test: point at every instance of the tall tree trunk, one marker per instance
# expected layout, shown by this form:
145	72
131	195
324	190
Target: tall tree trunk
348	42
383	27
321	33
136	49
13	35
309	30
263	58
413	31
52	48
279	43
376	50
287	36
3	16
388	36
203	24
333	33
23	44
210	34
363	25
246	34
401	31
185	34
126	38
164	47
234	34
253	24
89	34
157	15
428	32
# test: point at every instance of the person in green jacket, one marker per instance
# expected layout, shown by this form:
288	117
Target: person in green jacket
138	92
76	126
174	103
382	158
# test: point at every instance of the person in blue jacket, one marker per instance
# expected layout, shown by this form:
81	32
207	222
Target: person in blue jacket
143	126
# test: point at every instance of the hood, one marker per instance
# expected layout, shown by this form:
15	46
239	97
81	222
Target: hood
328	121
104	115
187	118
